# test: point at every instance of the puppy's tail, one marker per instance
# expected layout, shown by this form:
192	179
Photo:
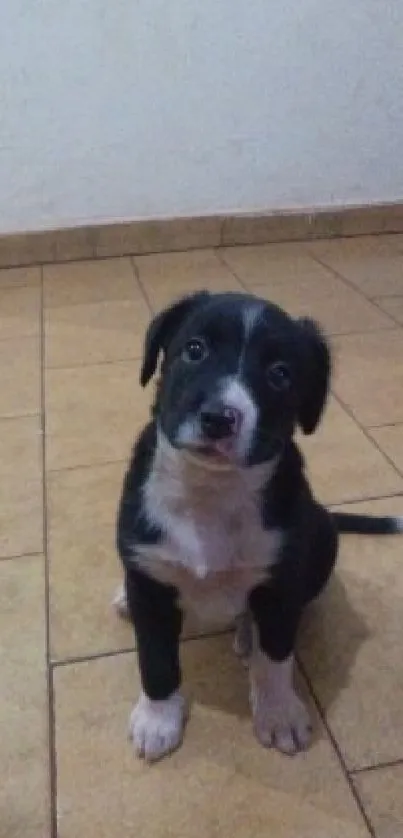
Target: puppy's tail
350	522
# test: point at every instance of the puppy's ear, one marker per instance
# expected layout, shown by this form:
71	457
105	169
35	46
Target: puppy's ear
316	368
162	329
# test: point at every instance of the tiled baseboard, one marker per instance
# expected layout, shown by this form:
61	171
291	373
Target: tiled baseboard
153	236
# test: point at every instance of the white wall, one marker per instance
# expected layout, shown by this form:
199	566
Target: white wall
116	109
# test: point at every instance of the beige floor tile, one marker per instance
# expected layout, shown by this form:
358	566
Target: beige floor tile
19	376
288	276
221	782
93	413
95	332
393	306
374	264
16	277
343	464
256	264
369	376
390	440
84	567
167	276
23	703
92	281
351	645
20	314
21	494
381	792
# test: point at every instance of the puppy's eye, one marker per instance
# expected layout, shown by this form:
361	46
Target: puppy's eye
194	351
279	376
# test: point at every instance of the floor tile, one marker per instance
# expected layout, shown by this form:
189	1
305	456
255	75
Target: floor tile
92	281
338	310
19	376
84	567
170	275
393	307
374	264
390	440
369	376
20	314
256	264
93	413
16	277
343	464
221	782
95	332
23	702
351	645
21	493
381	792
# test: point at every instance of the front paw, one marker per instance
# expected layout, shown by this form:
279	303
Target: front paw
156	727
282	722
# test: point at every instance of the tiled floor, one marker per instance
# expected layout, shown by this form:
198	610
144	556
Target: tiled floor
70	405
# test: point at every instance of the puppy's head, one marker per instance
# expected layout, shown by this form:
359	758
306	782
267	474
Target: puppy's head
238	375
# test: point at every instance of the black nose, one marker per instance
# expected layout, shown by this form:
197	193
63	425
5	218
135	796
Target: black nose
218	421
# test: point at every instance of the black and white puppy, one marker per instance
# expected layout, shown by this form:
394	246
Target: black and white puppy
216	514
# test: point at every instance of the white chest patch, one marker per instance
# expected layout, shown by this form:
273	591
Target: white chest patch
214	550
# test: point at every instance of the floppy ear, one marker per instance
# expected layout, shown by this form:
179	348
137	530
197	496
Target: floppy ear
316	367
162	329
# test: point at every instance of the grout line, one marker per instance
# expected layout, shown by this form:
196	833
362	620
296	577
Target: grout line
350	284
86	364
50	689
385	425
364	499
93	656
128	650
221	258
21	556
52	471
329	334
141	285
92	364
363	769
337	750
367	434
36	415
221	233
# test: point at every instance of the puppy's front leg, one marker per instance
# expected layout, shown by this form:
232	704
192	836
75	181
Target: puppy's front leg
158	718
280	718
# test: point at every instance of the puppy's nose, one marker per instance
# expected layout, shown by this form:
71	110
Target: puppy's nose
219	421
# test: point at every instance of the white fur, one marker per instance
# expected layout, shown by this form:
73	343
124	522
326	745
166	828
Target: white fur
234	394
156	727
250	316
214	549
243	639
399	524
119	602
280	717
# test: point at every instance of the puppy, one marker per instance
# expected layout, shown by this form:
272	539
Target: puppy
216	514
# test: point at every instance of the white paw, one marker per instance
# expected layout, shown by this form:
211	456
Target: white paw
243	639
119	602
280	718
156	727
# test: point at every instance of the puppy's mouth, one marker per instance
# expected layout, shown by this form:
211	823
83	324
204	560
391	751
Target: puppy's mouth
218	454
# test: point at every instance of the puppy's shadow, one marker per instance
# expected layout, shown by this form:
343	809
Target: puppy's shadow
331	635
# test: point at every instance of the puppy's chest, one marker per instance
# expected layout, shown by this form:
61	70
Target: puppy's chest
214	549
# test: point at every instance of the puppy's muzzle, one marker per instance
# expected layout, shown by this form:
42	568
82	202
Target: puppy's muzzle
219	422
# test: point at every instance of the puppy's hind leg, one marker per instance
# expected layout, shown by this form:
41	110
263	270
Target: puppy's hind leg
243	639
119	602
